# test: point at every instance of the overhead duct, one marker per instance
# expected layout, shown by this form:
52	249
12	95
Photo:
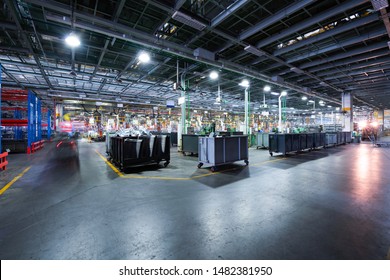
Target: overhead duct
253	50
296	70
203	53
187	20
379	4
277	79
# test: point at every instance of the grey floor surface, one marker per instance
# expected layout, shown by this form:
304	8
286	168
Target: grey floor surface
327	204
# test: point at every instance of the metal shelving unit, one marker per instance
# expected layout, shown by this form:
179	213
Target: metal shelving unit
21	119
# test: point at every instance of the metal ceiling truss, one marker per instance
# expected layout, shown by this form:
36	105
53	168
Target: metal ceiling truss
289	47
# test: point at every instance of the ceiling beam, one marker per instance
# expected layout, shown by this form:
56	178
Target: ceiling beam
15	15
314	20
328	33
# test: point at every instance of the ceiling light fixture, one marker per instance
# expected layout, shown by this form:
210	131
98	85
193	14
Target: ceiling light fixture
144	57
214	75
267	88
304	98
72	40
244	83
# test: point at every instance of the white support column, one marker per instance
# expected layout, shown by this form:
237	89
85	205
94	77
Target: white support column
246	111
347	111
280	115
59	112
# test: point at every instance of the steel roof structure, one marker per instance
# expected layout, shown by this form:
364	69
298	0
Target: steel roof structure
318	49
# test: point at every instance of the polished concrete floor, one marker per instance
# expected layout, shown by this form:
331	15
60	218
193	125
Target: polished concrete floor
327	204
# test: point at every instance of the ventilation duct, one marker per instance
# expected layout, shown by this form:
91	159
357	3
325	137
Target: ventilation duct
202	53
277	79
296	70
253	50
187	20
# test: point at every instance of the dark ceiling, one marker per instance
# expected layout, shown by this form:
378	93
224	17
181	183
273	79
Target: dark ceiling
311	48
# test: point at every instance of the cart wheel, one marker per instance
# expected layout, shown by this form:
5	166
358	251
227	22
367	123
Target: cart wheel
246	162
184	153
200	165
271	154
166	163
213	168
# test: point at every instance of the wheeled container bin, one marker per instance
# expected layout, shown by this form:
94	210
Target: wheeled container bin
215	151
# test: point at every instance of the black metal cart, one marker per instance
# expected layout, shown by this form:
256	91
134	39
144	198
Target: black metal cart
134	151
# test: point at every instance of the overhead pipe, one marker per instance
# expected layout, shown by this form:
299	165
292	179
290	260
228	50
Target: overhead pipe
332	47
354	59
379	87
368	36
361	79
288	74
268	21
358	72
283	13
361	66
351	66
329	33
338	9
369	48
228	12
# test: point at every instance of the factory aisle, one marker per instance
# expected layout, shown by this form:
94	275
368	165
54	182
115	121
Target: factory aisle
326	204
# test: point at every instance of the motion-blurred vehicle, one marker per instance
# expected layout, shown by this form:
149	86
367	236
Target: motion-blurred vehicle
66	145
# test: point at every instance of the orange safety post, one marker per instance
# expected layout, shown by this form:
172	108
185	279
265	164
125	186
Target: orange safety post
3	160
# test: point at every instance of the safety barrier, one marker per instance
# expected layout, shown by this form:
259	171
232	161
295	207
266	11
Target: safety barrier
35	146
3	160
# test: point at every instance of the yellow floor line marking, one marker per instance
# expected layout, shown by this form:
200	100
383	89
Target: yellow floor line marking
133	176
6	187
110	164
